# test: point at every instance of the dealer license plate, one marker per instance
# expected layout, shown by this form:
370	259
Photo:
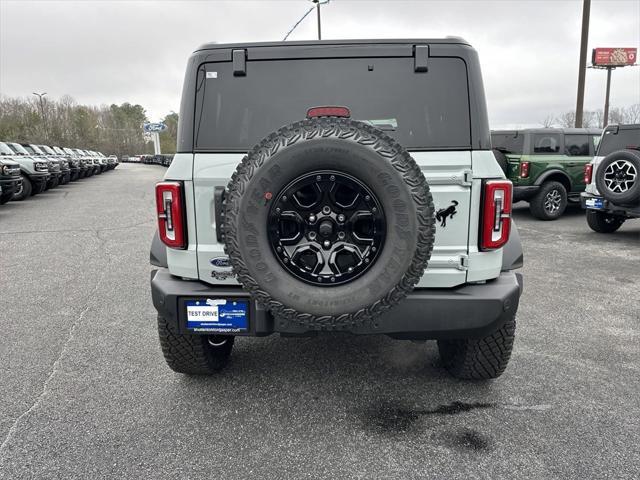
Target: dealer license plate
218	315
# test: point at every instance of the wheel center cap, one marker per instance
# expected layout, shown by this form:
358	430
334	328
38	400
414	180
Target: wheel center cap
325	228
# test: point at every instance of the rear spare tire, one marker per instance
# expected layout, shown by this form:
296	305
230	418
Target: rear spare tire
618	177
502	160
329	223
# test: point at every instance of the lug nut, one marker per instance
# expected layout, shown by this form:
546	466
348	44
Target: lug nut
332	178
279	249
333	279
374	209
312	235
326	210
350	269
285	260
318	178
326	244
341	218
367	198
373	249
277	209
312	218
341	235
284	198
366	260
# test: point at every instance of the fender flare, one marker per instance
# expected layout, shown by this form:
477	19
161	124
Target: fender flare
158	253
543	177
512	254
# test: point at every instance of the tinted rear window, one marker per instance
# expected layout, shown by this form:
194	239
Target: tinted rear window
508	142
576	145
612	141
546	143
420	110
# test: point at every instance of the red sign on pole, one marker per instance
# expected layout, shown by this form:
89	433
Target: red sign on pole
614	57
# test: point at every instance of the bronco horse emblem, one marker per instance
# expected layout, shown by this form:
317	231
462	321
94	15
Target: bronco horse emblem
443	213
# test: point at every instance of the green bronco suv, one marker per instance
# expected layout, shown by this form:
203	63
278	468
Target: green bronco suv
546	165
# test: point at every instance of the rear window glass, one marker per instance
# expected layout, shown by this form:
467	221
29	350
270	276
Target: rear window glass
420	110
612	141
546	143
576	145
508	142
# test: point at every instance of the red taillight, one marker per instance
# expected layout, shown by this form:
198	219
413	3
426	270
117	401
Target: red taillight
328	112
588	173
496	214
524	170
170	209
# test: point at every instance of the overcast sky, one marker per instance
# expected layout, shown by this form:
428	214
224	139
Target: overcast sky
103	52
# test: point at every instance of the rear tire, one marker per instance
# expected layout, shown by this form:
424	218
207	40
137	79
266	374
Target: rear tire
26	190
193	354
602	222
550	202
479	358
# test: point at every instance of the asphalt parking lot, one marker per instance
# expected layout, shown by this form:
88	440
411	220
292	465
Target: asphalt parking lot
85	392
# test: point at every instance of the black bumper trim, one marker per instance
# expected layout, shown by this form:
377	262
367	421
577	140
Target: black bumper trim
472	310
524	192
612	208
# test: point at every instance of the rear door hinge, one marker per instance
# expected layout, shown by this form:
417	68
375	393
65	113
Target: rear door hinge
463	262
467	177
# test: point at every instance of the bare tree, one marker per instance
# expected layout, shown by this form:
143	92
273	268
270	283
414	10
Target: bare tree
567	119
549	121
633	113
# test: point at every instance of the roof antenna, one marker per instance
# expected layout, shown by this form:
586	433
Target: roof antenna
317	7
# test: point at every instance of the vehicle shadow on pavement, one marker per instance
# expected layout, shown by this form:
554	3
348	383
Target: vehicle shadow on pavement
376	385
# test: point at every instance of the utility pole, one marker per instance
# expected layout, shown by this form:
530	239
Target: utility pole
582	69
317	2
44	120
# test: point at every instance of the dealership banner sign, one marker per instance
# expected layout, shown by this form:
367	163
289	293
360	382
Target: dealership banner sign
614	57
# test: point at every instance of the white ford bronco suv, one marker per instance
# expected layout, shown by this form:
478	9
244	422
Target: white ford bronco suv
336	186
612	195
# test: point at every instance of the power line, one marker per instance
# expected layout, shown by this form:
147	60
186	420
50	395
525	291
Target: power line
317	4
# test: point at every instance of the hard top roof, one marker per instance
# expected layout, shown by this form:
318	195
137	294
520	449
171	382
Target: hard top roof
567	131
399	41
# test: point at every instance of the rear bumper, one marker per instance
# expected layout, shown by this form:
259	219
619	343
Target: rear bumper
524	192
627	211
466	311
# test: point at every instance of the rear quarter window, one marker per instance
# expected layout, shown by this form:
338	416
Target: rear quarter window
576	145
546	143
421	110
508	142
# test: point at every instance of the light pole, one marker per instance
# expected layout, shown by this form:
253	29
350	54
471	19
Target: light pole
586	8
44	121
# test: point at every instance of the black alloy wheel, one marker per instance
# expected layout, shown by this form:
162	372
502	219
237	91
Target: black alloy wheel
326	227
